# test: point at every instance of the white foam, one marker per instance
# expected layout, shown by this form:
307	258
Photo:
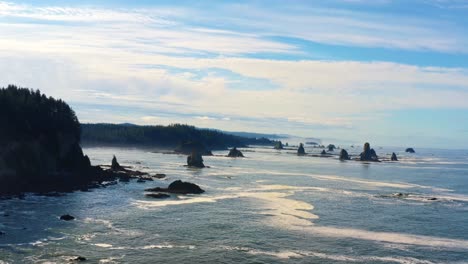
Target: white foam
287	254
402	185
103	245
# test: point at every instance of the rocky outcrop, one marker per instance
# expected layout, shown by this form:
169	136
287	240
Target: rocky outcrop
115	166
301	150
179	187
331	147
323	152
195	160
67	217
279	145
410	150
368	154
235	153
344	155
394	157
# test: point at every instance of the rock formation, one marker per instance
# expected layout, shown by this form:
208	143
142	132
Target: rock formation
344	155
279	145
394	157
368	154
115	166
195	160
301	150
410	150
323	152
67	217
235	153
179	187
331	147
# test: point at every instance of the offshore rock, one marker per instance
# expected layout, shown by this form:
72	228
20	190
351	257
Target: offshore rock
394	157
344	155
410	150
179	187
368	154
301	150
195	160
235	153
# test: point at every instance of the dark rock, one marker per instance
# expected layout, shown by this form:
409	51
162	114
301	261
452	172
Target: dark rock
279	145
410	150
79	259
432	199
301	150
179	187
394	157
66	217
2	233
323	152
344	155
160	175
6	215
235	153
140	180
158	195
195	160
115	165
368	154
331	147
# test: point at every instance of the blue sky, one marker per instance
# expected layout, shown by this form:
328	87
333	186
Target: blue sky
392	72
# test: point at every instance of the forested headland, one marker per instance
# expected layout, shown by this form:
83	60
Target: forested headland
162	136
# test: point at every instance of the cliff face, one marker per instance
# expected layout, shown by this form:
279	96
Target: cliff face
39	143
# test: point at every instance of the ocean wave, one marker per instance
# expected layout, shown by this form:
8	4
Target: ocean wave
288	254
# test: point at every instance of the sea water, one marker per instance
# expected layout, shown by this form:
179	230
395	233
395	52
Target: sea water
269	207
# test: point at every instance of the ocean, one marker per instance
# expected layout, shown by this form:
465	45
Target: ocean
269	207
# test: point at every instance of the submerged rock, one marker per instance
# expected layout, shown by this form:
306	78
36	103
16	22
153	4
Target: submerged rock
66	217
195	160
344	155
368	154
301	150
394	157
158	195
79	258
160	175
410	150
179	187
235	153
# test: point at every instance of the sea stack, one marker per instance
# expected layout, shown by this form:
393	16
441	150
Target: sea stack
115	165
331	147
301	150
323	152
344	155
279	145
235	153
394	157
195	160
368	153
410	150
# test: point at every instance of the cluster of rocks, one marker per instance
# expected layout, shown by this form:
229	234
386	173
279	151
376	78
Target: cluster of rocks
368	154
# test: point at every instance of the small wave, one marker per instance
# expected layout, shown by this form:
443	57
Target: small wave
288	254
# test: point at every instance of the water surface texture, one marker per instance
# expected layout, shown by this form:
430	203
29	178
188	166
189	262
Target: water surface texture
270	207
